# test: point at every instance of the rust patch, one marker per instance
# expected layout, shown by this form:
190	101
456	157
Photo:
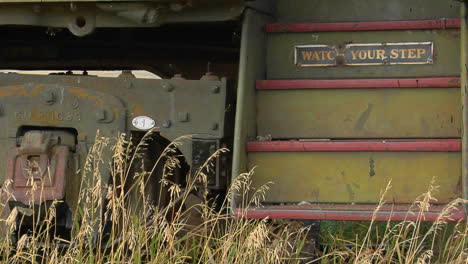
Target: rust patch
84	94
37	173
138	110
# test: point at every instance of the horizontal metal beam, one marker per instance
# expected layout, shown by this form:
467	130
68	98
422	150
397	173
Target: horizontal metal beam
437	82
363	26
353	213
440	145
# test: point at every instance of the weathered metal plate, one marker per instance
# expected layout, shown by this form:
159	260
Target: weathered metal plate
51	186
360	113
364	54
281	52
389	53
316	55
364	10
78	100
355	177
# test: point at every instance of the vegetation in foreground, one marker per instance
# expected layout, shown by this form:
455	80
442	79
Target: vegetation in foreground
110	227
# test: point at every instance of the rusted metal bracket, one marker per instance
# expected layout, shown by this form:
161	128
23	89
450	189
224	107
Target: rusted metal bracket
37	168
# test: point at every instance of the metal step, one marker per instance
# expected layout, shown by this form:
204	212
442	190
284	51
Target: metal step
354	213
355	171
359	108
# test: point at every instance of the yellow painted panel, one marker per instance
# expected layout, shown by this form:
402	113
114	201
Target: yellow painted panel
360	113
355	177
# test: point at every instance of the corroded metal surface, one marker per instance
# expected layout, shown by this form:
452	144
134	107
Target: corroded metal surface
109	105
85	105
355	213
81	18
37	170
360	113
355	177
395	123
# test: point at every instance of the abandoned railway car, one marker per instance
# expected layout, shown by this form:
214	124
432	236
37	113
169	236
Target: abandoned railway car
328	99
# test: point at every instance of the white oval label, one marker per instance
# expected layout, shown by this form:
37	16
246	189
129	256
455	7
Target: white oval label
143	122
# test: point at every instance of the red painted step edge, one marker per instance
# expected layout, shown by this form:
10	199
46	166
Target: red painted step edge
441	145
364	26
454	215
435	82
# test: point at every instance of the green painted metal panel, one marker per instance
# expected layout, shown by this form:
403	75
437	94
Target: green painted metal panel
359	177
464	98
364	10
251	67
280	54
360	113
356	177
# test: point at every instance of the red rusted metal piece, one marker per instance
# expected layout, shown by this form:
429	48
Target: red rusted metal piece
36	170
353	213
437	82
440	145
364	26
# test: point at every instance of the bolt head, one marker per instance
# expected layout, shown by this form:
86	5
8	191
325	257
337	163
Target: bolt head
128	84
215	89
48	97
167	86
75	102
166	123
101	115
183	116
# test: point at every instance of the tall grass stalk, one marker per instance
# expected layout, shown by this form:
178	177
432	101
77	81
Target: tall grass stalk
118	221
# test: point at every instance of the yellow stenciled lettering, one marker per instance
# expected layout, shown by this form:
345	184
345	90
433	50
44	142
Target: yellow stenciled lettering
306	55
411	53
354	54
362	54
421	52
394	53
381	55
322	54
371	54
403	56
315	55
329	56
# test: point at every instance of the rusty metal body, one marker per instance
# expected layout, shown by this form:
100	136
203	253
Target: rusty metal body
38	168
334	98
356	94
49	123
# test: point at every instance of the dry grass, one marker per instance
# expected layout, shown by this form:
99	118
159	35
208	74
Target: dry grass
110	227
403	242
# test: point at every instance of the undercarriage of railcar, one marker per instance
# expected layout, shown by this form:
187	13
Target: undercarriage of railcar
329	104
